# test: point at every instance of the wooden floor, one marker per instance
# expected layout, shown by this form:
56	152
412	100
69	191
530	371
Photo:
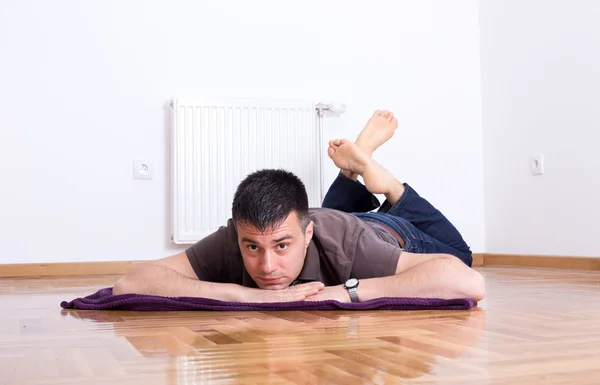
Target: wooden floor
535	327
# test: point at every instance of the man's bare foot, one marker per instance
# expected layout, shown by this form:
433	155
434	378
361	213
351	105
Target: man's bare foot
378	130
348	156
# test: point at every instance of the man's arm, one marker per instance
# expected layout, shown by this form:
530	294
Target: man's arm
440	276
446	277
174	277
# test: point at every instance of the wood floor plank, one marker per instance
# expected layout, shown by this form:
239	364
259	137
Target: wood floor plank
535	326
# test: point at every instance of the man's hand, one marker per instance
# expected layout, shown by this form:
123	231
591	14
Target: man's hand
337	293
289	294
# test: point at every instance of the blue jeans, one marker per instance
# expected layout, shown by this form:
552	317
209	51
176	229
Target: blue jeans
423	228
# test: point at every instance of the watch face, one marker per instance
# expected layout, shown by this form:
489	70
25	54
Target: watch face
352	282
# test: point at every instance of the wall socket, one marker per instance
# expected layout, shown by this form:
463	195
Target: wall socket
536	164
142	169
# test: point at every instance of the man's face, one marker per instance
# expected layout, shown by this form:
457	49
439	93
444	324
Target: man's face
275	258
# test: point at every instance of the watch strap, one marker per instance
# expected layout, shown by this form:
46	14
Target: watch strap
353	294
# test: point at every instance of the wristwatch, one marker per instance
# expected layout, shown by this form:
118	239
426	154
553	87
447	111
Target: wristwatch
352	286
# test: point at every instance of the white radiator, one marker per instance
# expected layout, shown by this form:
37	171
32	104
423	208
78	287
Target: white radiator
216	144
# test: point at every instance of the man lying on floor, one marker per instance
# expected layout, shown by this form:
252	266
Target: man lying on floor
276	249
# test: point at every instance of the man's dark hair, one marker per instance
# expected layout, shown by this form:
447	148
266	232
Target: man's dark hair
265	198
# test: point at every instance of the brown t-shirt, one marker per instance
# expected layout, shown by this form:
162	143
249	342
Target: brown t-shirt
342	246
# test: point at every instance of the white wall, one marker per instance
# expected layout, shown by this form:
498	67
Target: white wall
84	87
541	93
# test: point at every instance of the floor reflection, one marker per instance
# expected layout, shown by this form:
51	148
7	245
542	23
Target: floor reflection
203	347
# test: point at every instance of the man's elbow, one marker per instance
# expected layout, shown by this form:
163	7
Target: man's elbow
476	286
129	283
122	286
470	283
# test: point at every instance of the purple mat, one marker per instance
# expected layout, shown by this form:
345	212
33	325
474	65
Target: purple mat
103	299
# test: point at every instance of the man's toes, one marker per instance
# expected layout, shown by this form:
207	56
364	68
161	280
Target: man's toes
395	123
390	117
386	114
337	142
330	152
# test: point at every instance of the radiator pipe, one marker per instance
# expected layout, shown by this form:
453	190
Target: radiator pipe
321	108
